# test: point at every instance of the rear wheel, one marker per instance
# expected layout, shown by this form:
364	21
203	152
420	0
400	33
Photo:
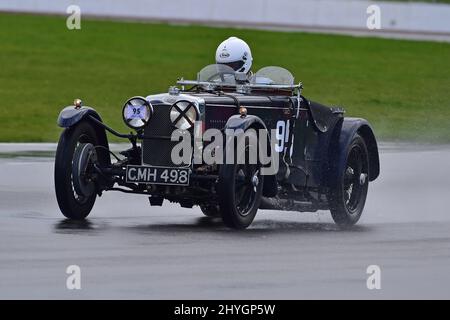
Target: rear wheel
75	155
348	197
240	189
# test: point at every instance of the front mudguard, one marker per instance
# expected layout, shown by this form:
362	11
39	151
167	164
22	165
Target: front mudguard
239	125
70	116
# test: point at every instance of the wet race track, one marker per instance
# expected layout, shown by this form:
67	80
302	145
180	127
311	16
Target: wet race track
127	249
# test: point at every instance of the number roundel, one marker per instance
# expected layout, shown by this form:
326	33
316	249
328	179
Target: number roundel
136	112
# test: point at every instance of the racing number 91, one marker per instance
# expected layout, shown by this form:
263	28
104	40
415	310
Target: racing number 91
282	135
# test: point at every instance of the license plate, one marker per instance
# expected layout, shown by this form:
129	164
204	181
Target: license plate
157	175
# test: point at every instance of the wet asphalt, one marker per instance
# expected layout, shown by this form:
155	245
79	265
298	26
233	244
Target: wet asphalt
129	250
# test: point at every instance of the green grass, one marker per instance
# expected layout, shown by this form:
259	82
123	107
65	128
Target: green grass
402	87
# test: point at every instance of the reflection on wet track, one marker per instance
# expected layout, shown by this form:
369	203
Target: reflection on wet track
127	249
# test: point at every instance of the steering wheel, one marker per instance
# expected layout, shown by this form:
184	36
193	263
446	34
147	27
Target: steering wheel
221	75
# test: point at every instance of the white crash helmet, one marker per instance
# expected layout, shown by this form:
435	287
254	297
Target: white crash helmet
235	53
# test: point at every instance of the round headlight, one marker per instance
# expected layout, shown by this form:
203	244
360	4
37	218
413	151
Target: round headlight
183	114
137	112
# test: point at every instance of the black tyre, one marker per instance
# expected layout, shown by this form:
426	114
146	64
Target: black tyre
348	197
210	210
239	190
75	198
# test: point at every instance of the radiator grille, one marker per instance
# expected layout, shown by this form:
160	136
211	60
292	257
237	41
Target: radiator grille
157	151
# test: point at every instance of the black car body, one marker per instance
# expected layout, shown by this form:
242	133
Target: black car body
325	160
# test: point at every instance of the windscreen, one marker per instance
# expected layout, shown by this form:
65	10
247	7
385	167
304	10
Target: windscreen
273	75
217	73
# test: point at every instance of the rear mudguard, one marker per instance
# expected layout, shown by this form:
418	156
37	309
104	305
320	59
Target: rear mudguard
240	124
343	136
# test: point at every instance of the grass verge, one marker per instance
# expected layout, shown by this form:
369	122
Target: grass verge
401	87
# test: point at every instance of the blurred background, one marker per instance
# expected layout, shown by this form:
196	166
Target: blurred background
397	77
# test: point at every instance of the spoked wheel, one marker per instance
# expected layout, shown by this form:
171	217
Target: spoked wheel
246	187
240	189
74	178
348	198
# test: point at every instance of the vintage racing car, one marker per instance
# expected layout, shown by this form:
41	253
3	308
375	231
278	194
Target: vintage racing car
323	159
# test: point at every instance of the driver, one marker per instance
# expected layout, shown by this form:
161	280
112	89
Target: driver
235	53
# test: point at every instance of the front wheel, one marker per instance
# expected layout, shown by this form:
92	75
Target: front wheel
240	188
210	210
75	156
347	198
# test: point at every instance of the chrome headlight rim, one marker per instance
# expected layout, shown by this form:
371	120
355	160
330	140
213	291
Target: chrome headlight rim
183	114
139	122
